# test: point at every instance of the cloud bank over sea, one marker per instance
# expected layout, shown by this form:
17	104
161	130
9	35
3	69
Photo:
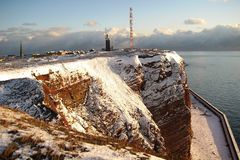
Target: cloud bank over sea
221	37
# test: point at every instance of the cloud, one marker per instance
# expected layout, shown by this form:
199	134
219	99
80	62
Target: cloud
57	31
117	31
165	31
22	33
195	21
29	24
217	38
91	23
56	38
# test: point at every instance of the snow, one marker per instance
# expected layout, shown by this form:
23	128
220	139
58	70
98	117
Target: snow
24	94
27	72
168	88
121	95
208	140
49	140
5	140
108	71
156	58
173	56
152	67
133	60
132	115
104	152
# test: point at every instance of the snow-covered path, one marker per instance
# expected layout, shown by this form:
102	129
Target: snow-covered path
208	142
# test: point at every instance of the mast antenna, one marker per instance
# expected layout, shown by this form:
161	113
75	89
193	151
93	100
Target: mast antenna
131	27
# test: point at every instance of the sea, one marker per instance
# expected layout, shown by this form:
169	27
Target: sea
216	77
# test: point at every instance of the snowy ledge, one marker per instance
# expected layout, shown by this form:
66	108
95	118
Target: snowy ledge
23	68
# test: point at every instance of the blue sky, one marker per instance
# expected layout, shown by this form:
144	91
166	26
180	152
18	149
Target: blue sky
114	13
44	25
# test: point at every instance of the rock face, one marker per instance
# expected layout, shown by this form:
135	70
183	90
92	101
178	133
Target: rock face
139	97
65	93
161	81
86	106
26	95
165	98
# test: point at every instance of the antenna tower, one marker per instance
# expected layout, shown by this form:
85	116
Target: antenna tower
131	27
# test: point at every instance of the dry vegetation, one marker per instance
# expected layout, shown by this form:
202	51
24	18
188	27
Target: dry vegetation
66	142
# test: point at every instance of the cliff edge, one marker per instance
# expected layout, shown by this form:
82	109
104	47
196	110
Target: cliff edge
136	97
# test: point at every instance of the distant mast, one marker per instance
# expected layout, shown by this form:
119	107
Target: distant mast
21	50
131	27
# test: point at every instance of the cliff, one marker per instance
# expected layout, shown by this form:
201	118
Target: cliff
136	97
161	81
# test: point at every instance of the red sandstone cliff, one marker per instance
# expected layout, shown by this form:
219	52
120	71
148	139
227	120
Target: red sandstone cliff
162	83
91	96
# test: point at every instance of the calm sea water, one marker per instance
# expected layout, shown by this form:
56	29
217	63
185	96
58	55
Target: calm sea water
216	77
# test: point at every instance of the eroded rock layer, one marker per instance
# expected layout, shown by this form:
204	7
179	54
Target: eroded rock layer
161	81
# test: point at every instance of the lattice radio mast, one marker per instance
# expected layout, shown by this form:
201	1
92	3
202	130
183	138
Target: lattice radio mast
131	27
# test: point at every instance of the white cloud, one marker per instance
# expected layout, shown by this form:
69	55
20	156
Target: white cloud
57	31
114	31
91	23
21	33
30	37
195	21
165	31
237	26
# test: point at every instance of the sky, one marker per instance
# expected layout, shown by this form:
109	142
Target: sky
74	24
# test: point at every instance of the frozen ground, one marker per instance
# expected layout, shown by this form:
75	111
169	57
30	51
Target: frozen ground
208	142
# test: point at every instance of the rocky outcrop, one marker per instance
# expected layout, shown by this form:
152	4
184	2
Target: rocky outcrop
26	95
161	81
87	101
83	104
65	93
164	94
139	97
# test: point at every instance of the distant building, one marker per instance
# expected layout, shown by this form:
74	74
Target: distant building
108	48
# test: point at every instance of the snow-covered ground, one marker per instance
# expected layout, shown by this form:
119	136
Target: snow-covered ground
23	137
208	142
